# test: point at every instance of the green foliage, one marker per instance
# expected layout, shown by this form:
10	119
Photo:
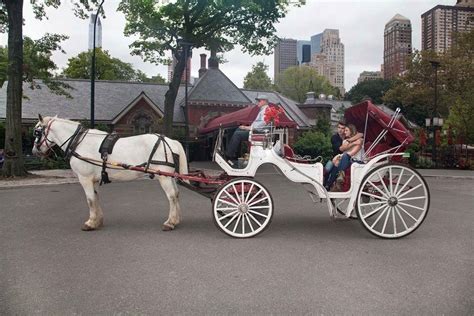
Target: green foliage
3	64
142	77
107	67
257	78
324	126
100	126
296	81
314	144
374	89
213	24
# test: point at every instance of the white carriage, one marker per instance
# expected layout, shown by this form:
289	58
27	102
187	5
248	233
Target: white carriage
389	198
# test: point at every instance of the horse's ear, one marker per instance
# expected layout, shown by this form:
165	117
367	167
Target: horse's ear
40	118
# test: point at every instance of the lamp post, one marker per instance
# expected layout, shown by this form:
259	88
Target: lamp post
187	46
93	68
435	121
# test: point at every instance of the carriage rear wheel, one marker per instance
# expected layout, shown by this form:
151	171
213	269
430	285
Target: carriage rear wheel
393	200
242	208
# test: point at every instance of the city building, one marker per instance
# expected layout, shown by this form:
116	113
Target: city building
369	75
285	55
329	61
440	25
397	46
316	43
98	32
303	52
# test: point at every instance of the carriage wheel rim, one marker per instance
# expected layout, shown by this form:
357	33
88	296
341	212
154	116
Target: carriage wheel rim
398	201
243	208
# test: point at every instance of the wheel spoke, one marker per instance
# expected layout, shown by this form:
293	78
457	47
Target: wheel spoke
258	207
225	208
233	199
372	203
398	182
259	214
236	193
374	211
378	218
253	197
374	196
404	185
243	224
381	192
401	217
383	183
413	198
237	223
231	220
248	194
248	221
398	205
409	205
390	180
394	222
227	202
227	215
386	219
255	202
411	190
254	219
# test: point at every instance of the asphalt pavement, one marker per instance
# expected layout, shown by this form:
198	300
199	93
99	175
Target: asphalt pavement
304	263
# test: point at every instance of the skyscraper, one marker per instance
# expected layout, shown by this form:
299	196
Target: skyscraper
440	25
98	32
316	43
285	55
303	52
329	60
397	46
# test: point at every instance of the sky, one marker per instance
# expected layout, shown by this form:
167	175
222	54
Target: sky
360	23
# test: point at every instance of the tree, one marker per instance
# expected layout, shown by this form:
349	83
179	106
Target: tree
296	81
413	92
257	78
374	89
107	67
212	24
142	77
11	20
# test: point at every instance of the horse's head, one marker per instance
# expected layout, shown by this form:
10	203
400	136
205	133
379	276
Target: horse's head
42	145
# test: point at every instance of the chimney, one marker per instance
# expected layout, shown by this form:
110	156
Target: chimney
213	61
310	98
203	68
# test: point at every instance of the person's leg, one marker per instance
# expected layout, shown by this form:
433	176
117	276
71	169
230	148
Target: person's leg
327	169
237	138
343	164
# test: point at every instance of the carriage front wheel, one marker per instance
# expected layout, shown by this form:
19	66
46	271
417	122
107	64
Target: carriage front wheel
242	208
392	201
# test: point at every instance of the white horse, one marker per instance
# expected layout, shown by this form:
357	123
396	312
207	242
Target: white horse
133	150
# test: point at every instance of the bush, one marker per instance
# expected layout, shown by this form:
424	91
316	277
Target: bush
314	144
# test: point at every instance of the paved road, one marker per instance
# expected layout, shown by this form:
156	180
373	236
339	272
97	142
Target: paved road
302	264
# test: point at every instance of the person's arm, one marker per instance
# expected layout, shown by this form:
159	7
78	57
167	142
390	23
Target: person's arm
356	146
356	137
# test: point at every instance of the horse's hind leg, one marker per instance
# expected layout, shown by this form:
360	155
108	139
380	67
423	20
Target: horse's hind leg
171	190
96	217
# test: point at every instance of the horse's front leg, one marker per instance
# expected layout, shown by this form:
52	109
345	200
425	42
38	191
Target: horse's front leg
172	193
96	217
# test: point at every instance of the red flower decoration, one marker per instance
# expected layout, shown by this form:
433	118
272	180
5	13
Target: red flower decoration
272	114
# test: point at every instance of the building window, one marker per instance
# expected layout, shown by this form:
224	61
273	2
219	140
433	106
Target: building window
142	124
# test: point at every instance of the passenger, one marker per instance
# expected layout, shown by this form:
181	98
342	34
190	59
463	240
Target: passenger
352	148
242	133
336	142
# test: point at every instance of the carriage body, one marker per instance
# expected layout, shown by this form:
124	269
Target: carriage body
390	199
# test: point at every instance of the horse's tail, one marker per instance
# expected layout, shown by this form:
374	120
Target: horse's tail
183	162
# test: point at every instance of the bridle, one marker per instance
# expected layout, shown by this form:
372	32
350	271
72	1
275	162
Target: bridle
41	136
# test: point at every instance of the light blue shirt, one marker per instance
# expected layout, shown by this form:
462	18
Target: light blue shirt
259	122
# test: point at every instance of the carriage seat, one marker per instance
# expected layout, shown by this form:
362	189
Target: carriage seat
289	154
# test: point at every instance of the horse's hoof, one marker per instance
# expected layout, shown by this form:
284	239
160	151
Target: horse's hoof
167	227
87	228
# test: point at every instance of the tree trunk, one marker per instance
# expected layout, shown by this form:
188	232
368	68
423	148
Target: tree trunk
14	165
170	96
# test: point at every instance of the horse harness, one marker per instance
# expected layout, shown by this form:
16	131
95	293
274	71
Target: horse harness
105	149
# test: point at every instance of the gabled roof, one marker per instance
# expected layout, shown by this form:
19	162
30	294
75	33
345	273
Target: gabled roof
215	86
133	103
111	98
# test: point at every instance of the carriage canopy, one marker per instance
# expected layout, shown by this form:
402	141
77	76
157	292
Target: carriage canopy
242	117
366	113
